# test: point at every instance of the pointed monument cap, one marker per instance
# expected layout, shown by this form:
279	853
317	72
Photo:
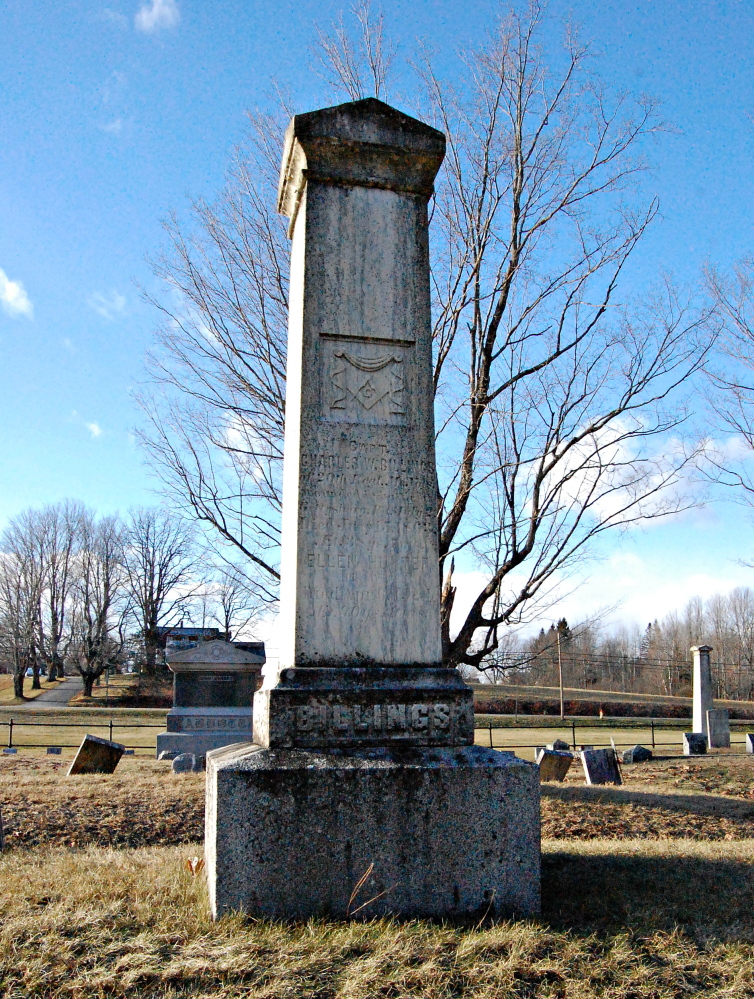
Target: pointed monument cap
215	655
362	144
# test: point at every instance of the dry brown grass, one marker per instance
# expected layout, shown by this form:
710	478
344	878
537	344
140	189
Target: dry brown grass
144	804
619	920
648	918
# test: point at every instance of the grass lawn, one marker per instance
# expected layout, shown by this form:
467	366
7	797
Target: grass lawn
648	893
6	690
620	919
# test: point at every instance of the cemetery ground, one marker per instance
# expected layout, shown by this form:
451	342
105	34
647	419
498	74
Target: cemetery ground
648	891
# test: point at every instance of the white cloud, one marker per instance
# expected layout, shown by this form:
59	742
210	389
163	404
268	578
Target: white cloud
94	429
156	14
13	297
108	306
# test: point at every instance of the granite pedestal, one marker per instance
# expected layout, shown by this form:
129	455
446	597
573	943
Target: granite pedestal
433	832
213	690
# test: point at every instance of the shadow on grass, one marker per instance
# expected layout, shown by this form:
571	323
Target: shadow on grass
700	804
609	892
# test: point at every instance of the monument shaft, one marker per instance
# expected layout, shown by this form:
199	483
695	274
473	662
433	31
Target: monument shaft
359	576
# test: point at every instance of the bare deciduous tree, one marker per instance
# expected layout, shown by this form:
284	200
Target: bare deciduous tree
100	589
22	579
159	558
555	401
733	376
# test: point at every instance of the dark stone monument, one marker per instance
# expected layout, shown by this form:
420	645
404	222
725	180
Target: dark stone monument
638	754
601	766
694	744
213	690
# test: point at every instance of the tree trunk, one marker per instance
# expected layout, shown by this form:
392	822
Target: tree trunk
18	684
88	684
35	684
52	672
150	654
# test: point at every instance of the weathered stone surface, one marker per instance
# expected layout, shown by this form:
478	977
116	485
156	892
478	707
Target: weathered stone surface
559	746
185	763
316	708
167	754
718	728
553	765
694	744
96	756
10	749
439	832
600	766
702	686
638	754
54	750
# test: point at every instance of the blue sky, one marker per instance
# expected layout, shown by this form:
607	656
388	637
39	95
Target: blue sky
114	113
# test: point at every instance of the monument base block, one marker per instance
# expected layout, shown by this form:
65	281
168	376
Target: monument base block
198	730
424	832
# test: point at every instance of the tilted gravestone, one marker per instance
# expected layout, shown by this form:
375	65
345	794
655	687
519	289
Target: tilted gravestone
553	764
364	790
213	689
96	756
694	744
750	742
718	728
601	766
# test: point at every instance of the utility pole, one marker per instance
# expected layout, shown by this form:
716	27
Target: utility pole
560	678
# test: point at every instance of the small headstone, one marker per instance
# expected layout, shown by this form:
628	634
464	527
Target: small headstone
694	744
553	765
718	728
96	756
585	748
184	763
639	754
10	749
54	750
750	742
600	766
559	746
168	754
128	752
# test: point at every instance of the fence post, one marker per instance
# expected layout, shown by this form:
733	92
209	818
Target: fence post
10	734
516	721
573	733
490	736
111	730
653	733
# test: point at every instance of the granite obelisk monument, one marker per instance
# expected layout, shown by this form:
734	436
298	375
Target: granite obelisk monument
363	770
